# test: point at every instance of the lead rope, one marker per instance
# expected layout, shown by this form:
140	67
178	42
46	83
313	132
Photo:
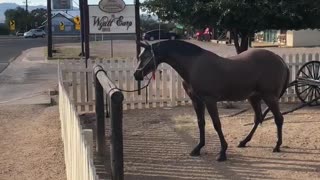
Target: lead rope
135	90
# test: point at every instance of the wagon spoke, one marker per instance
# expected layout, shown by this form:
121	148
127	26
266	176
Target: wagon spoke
309	71
318	91
304	73
307	94
301	85
305	89
312	92
313	71
317	71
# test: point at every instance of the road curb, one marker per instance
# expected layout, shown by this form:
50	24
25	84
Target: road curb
9	62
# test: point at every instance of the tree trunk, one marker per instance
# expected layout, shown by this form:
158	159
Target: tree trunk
243	44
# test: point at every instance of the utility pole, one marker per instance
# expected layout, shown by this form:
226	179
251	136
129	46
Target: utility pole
81	27
26	5
49	28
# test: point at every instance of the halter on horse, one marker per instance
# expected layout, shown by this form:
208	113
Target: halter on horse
255	75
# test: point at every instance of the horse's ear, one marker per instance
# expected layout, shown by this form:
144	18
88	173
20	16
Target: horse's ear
144	44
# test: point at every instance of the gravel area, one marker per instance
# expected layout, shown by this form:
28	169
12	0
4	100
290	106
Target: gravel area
31	145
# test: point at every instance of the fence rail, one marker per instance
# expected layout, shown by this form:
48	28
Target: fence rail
165	90
114	99
77	142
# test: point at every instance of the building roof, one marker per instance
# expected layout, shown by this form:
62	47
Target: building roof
57	15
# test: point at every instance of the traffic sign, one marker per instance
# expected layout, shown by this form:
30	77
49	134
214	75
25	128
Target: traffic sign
77	22
12	25
61	25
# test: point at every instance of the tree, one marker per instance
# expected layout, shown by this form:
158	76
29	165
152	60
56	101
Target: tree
38	16
20	16
4	29
148	23
25	20
242	18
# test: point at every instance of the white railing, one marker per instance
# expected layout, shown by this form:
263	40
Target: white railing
77	142
165	90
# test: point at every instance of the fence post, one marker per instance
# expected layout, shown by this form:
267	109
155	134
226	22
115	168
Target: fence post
116	147
100	117
115	97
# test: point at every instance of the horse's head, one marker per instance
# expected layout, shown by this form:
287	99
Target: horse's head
147	62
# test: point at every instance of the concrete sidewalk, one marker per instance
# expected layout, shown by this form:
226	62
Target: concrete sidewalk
28	79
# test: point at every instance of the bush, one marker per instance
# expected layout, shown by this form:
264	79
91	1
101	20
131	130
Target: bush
4	30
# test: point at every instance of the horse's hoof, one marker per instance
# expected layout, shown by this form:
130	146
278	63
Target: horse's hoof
195	153
242	144
222	157
276	150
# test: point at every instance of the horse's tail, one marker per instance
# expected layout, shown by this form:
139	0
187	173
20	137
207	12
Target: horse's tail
284	88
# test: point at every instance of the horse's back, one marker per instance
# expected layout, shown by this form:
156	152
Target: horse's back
271	69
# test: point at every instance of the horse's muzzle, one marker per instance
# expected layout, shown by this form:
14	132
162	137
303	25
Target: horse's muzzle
138	75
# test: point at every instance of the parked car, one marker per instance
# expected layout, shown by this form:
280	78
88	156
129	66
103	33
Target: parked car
19	33
34	33
154	35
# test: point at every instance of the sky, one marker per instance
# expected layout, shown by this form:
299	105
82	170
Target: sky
44	2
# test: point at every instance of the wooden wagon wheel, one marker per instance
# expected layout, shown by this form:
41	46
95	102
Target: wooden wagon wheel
308	82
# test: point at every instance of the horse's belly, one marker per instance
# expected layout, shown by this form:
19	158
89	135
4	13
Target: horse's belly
237	96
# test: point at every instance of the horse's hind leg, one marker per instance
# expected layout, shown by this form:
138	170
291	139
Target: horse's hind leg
255	102
273	104
199	108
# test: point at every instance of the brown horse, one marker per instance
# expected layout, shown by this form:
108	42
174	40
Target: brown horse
255	75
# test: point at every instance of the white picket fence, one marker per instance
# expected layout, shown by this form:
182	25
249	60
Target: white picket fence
78	143
165	90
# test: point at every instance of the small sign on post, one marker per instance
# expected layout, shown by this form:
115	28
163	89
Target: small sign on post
61	4
77	22
61	26
12	25
112	17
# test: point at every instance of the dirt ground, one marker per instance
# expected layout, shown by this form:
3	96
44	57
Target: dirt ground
157	143
30	141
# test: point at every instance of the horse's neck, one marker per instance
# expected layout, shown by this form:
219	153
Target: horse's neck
181	65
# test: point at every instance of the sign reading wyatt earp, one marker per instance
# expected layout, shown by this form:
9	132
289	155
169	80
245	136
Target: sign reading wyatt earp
111	16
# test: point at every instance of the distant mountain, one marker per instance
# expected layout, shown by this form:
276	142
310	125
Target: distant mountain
5	6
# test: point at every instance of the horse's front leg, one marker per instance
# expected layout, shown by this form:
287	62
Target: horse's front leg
213	111
199	108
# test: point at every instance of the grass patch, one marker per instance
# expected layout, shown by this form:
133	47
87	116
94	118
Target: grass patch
65	53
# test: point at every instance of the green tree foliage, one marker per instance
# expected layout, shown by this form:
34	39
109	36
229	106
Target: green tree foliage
19	15
26	20
38	16
241	17
148	23
4	29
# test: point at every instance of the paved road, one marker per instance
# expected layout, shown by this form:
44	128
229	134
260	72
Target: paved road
11	46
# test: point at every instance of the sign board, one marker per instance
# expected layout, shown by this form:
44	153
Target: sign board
77	22
109	17
61	26
61	4
12	25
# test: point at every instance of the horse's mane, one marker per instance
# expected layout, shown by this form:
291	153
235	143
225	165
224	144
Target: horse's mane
181	47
